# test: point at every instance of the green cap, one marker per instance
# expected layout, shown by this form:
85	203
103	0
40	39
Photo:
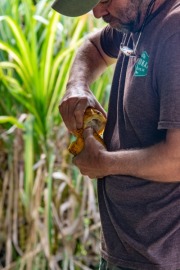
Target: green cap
74	8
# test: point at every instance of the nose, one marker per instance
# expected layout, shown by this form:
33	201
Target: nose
99	11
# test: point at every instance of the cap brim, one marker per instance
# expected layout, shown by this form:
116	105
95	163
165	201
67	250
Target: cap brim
74	8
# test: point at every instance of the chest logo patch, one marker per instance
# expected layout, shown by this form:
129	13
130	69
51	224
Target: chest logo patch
141	66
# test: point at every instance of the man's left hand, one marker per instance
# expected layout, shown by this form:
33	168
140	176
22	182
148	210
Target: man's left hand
91	161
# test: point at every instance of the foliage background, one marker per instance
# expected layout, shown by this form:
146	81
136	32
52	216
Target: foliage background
48	211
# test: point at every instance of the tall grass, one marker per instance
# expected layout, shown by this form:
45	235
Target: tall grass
48	211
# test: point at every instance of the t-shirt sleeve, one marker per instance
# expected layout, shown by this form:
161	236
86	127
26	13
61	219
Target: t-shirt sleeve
110	41
169	83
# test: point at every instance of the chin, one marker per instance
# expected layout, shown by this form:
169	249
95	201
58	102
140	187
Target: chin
125	28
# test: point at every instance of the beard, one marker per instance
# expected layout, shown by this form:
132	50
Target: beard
128	19
118	25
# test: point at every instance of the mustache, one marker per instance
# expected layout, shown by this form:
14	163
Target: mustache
120	26
108	18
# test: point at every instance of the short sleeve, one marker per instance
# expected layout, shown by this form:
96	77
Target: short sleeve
168	82
110	41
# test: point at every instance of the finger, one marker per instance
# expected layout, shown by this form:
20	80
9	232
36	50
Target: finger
67	117
72	113
88	132
79	111
101	109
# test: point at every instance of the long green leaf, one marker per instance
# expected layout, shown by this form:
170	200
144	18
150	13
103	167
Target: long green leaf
49	210
14	54
20	40
7	66
12	120
29	157
47	53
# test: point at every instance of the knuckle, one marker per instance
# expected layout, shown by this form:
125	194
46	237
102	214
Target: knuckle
78	112
89	139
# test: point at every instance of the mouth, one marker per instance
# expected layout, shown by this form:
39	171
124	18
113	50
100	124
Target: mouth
109	19
113	22
117	24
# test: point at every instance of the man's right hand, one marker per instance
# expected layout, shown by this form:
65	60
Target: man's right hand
73	105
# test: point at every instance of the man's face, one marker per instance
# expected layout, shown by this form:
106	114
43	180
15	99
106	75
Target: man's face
123	15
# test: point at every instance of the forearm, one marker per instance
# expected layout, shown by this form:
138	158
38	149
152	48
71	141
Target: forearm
160	162
87	66
157	163
90	62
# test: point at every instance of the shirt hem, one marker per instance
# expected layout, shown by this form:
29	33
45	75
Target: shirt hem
168	125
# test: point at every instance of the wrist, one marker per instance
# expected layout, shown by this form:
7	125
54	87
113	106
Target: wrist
105	162
77	83
113	163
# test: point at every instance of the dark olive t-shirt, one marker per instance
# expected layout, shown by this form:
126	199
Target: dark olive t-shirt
141	218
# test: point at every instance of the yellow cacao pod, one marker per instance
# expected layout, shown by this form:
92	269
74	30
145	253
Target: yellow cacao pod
92	118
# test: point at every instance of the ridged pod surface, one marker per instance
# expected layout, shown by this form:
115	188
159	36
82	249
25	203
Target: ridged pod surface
92	118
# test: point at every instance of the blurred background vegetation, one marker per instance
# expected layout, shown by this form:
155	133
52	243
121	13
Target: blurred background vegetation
48	211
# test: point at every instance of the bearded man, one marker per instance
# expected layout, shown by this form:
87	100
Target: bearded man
138	170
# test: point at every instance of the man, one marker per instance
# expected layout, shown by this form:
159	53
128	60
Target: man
139	170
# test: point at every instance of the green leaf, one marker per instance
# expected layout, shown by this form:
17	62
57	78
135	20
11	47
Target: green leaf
12	120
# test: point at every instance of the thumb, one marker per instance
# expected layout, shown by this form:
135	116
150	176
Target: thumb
101	109
87	132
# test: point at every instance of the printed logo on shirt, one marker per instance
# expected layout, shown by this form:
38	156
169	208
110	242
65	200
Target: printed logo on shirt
141	67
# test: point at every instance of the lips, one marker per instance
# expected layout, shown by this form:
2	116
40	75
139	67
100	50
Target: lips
108	18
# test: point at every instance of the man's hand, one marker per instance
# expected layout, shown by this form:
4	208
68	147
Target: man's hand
74	104
91	161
